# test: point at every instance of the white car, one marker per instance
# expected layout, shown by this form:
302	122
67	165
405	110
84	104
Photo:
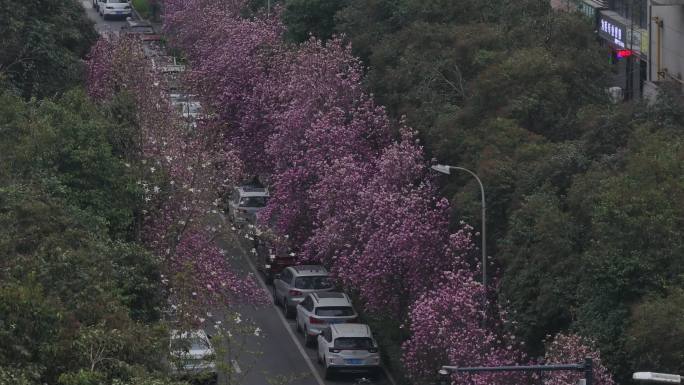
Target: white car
295	282
191	354
348	347
245	202
108	8
319	310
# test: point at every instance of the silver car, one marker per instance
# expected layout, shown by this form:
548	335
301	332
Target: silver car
192	354
244	204
295	282
349	348
319	310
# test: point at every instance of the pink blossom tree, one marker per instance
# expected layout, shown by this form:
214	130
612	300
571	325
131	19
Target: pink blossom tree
447	329
573	348
181	172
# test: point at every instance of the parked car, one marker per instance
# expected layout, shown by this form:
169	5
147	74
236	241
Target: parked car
108	8
192	355
140	28
349	348
319	310
295	282
273	254
245	202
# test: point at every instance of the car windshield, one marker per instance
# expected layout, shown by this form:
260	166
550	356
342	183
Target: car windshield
313	283
337	311
253	201
142	29
353	343
186	344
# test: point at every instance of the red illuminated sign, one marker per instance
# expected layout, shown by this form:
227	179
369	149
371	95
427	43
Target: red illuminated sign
624	53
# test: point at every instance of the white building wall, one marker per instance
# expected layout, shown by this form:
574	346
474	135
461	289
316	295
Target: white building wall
671	40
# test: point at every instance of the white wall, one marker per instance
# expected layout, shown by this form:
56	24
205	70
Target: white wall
672	40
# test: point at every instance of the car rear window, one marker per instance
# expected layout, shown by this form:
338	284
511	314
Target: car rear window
335	311
353	343
185	344
313	283
253	201
143	29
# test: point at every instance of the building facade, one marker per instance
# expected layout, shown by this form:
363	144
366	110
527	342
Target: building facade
645	41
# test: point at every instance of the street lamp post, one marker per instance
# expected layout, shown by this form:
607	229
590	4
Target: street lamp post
586	367
444	169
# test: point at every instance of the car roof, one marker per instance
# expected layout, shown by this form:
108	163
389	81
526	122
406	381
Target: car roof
331	298
303	270
199	333
351	330
252	191
139	23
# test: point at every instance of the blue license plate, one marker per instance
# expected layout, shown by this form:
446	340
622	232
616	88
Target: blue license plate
337	321
353	361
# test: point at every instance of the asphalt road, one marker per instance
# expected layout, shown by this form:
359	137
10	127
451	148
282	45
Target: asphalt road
102	26
282	351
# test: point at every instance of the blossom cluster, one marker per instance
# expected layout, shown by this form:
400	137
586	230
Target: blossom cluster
181	175
344	191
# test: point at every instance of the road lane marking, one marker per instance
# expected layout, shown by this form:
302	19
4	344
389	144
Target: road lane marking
281	317
236	366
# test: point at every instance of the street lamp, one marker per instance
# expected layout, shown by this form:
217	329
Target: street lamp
586	367
657	377
444	169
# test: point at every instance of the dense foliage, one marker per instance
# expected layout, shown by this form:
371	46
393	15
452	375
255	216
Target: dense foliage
583	200
73	282
42	44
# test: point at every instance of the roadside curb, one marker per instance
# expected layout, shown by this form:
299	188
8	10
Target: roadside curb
137	14
156	26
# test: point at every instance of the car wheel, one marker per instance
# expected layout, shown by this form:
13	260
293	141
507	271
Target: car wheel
268	277
275	297
328	373
289	312
375	374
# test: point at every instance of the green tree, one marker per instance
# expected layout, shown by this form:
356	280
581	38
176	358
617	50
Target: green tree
311	17
656	333
42	43
65	143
